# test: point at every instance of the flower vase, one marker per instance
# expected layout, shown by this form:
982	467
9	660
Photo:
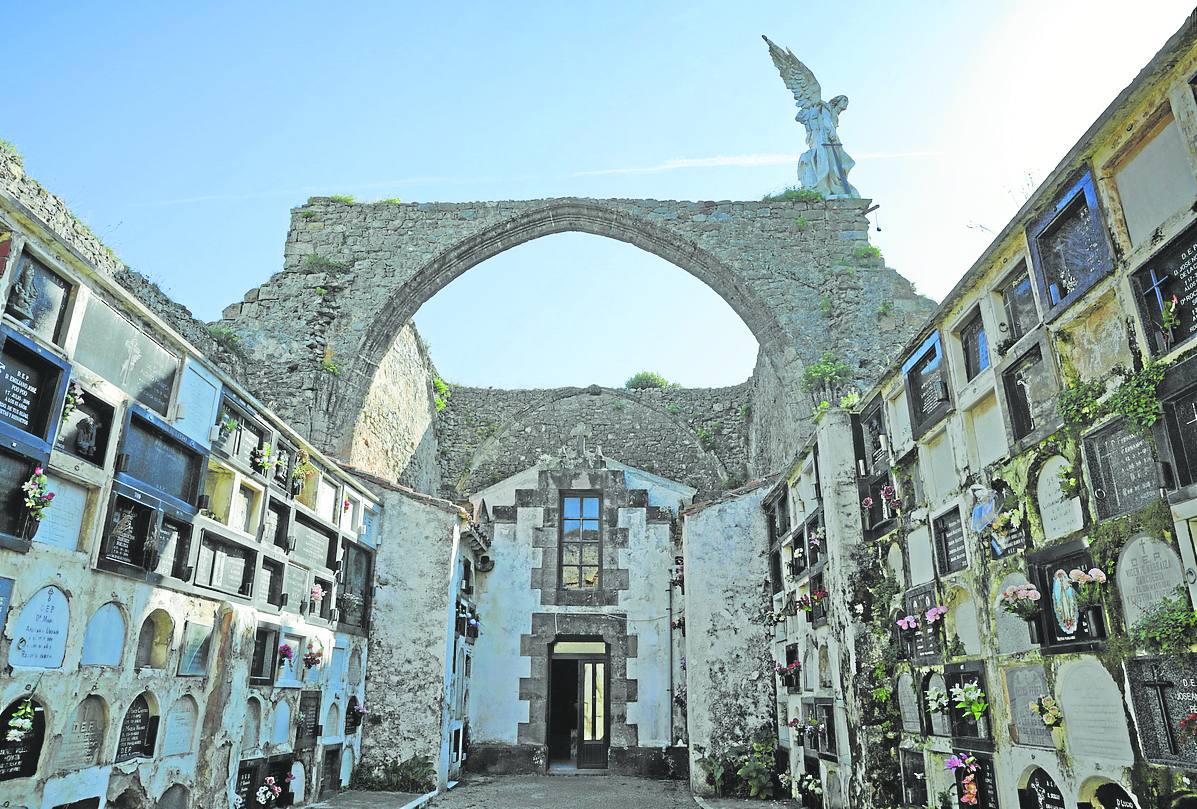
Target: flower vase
1058	736
1095	620
1033	630
29	526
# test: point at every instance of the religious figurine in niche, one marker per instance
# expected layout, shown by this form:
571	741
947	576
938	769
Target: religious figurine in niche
85	437
23	297
1064	603
824	166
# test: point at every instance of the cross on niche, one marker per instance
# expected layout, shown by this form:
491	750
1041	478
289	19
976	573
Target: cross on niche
1159	685
1155	290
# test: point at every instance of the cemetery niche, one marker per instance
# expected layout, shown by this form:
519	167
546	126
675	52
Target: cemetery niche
86	425
1122	470
1030	391
1068	244
1060	512
1163	693
1148	572
40	633
139	730
39	299
926	384
1167	287
1041	792
104	639
24	724
32	383
1179	399
81	745
111	346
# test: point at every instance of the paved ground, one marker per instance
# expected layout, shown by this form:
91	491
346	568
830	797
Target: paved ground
575	792
354	799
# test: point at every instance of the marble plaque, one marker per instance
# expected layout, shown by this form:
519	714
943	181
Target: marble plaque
950	542
280	728
922	560
1122	470
1061	516
1094	717
1163	691
82	742
19	756
123	354
38	298
908	705
1174	269
104	640
940	724
1041	792
199	394
40	633
156	458
295	585
197	643
138	731
1148	572
180	728
1024	685
62	522
964	620
27	385
355	667
311	544
308	720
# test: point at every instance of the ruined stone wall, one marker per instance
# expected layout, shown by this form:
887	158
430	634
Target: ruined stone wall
800	274
698	436
729	665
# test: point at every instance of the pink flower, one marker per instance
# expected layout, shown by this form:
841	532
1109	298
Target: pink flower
1097	575
867	502
953	763
935	613
1078	576
908	622
37	470
290	777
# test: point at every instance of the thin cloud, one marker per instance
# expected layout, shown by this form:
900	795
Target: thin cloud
739	161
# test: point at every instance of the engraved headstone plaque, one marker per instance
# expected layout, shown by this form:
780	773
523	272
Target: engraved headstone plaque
180	727
61	524
311	544
1024	685
197	643
1171	273
139	731
1061	515
1163	691
1094	718
1041	792
162	462
950	543
123	354
908	705
1122	468
81	745
308	720
27	387
1148	572
40	633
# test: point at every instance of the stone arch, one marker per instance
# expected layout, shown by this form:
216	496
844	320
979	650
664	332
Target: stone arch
299	783
707	467
104	638
154	640
1039	772
1100	792
332	720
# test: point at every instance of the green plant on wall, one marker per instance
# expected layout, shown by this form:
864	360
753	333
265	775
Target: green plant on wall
1078	403
441	393
795	192
1135	398
645	380
1170	629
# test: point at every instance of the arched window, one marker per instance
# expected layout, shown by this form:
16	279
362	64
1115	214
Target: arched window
139	729
104	640
24	723
153	642
84	739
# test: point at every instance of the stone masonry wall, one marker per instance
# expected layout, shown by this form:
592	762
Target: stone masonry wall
698	436
801	275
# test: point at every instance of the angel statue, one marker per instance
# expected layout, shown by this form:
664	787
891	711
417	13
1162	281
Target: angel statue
824	166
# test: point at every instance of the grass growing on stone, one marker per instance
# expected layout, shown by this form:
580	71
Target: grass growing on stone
224	336
868	252
393	201
9	149
320	263
440	397
345	199
796	193
329	367
646	380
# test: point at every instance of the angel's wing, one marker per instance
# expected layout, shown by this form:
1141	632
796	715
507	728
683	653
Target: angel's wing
797	76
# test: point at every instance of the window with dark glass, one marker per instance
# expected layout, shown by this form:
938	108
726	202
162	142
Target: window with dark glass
1068	246
1164	286
1179	394
975	346
1019	302
775	570
581	541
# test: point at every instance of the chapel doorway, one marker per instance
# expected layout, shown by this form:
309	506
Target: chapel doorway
578	726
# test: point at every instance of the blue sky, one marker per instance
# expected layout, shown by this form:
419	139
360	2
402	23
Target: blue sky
184	133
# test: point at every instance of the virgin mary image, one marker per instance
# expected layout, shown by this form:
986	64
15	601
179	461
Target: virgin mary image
1064	603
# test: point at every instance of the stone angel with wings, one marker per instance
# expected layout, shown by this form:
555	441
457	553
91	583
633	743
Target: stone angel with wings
824	166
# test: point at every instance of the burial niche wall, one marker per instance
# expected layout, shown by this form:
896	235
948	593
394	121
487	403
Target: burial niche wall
24	723
83	740
39	635
154	640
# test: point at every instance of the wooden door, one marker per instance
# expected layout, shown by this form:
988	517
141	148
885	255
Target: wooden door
592	714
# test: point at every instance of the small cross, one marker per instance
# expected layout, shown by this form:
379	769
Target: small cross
1193	407
1159	685
1156	288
